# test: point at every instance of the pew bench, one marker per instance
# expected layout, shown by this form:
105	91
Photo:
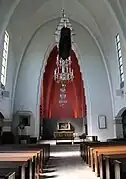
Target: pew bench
38	152
19	167
44	151
25	160
97	159
85	148
27	147
35	155
96	152
44	147
120	168
107	165
6	173
32	157
93	153
101	147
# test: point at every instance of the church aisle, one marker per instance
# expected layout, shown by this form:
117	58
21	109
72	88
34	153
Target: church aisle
67	166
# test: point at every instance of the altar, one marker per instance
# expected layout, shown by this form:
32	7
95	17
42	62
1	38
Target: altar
64	135
65	131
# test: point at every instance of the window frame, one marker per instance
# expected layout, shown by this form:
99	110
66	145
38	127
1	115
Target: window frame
4	59
120	60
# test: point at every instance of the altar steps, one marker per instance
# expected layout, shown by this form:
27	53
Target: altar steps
60	142
64	150
65	147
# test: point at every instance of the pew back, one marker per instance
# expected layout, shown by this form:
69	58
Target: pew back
120	168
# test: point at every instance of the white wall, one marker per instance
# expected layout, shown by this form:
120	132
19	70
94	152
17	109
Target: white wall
28	79
96	85
94	75
109	30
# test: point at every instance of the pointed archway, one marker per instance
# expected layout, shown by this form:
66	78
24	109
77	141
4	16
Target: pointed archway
75	108
76	103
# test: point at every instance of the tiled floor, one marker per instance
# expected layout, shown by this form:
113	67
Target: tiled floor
65	164
68	168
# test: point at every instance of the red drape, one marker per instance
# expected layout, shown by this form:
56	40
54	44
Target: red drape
49	101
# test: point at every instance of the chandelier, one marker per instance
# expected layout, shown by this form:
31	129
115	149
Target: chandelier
63	73
62	99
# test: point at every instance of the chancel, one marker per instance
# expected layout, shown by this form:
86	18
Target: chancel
63	89
64	131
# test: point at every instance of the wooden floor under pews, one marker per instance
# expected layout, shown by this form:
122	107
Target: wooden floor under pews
106	159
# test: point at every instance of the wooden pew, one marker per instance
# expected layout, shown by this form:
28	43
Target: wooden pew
85	148
6	173
44	150
30	156
97	159
106	151
120	169
19	167
107	165
34	162
25	150
97	149
45	147
13	160
34	154
101	145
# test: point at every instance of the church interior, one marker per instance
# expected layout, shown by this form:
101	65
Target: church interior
62	89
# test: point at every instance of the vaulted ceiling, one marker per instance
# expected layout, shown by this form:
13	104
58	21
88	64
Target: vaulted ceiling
24	17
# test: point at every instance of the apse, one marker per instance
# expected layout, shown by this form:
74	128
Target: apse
50	92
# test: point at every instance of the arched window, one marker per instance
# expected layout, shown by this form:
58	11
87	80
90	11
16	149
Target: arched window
4	59
120	60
